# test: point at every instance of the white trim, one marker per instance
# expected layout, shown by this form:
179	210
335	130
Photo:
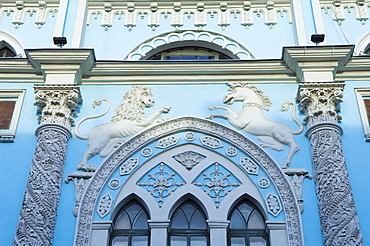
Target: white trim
14	42
298	23
61	19
360	94
317	18
80	24
13	95
362	43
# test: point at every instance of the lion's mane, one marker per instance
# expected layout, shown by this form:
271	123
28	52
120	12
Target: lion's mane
131	107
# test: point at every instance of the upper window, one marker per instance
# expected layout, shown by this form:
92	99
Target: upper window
10	106
188	226
6	52
189	54
363	100
130	227
247	226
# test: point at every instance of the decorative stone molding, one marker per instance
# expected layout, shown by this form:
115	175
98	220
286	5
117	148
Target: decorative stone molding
20	9
248	165
296	177
320	102
57	103
338	216
199	13
338	7
80	181
274	205
185	124
189	159
180	36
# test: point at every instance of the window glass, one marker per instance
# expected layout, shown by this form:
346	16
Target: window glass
189	53
198	241
123	221
139	241
179	221
257	241
255	221
178	241
237	221
120	241
5	52
237	241
141	221
198	221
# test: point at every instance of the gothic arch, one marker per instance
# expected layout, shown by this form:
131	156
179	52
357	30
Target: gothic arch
362	44
211	40
7	39
183	124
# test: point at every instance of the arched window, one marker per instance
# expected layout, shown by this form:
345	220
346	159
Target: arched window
6	50
130	227
188	226
247	226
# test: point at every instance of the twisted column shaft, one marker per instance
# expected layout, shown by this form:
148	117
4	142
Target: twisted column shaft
39	208
337	210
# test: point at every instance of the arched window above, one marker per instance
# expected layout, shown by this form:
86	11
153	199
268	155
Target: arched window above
188	226
247	226
6	52
10	46
130	227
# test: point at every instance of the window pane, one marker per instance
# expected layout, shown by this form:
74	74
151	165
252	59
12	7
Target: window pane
198	241
178	241
120	241
190	58
237	241
179	221
237	221
133	210
123	221
255	221
189	210
257	241
139	241
245	210
141	222
198	221
172	58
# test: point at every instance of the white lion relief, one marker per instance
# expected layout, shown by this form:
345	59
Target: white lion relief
252	120
128	120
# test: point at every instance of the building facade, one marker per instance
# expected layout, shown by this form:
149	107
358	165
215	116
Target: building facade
184	123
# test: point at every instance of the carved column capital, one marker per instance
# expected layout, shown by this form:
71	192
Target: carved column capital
320	102
57	103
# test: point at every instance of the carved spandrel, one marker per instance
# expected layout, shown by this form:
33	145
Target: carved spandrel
320	102
57	104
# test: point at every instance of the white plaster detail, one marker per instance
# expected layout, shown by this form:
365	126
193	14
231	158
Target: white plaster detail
189	159
338	8
361	94
249	165
14	42
80	181
161	184
114	184
231	151
189	136
217	184
129	165
252	120
128	120
296	177
105	204
273	204
362	44
171	37
167	142
146	152
211	142
263	183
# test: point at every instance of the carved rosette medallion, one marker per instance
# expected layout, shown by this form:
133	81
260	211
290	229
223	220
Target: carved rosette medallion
39	209
338	216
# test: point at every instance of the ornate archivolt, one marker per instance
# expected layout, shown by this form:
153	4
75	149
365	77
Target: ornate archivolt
214	136
20	9
167	38
199	12
338	9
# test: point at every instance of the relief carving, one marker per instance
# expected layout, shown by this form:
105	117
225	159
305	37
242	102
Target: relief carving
128	120
252	120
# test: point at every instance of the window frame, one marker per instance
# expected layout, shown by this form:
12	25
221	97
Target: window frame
361	93
17	95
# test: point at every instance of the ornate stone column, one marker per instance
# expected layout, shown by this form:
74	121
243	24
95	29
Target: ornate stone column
57	105
338	216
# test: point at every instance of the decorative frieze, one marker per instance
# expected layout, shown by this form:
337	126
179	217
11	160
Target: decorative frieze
199	12
57	103
338	8
20	9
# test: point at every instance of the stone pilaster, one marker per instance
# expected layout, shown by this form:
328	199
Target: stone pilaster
36	223
338	216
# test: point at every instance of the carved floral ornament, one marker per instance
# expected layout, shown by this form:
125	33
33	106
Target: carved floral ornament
184	124
198	12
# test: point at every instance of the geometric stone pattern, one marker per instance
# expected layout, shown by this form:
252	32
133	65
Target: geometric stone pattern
211	142
248	165
217	184
161	184
129	165
273	204
167	142
188	123
105	204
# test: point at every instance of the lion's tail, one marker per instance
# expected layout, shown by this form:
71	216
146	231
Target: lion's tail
95	103
285	107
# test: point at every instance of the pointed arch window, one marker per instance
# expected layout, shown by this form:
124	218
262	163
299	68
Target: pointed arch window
6	50
130	227
247	226
188	226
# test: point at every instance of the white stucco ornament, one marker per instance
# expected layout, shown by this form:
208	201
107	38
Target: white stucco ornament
128	120
252	120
